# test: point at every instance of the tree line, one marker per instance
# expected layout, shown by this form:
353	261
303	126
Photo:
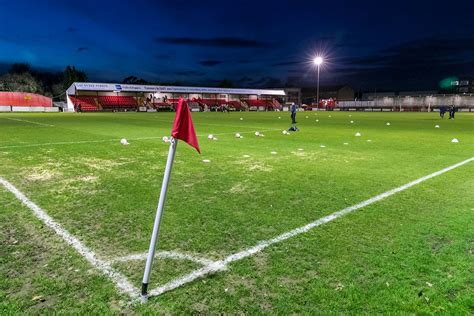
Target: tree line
21	77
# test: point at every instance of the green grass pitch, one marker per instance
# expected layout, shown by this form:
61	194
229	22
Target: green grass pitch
412	252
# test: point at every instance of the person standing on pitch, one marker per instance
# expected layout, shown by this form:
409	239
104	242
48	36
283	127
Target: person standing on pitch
293	113
293	127
442	110
455	109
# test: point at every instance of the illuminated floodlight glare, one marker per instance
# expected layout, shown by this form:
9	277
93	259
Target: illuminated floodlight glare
318	60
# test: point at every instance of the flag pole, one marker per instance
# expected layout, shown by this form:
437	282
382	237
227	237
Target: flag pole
159	213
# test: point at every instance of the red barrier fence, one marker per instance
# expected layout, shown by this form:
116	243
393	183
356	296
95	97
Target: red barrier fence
24	99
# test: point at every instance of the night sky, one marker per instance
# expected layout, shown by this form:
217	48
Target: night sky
367	44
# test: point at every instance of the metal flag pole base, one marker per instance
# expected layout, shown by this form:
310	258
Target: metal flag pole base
144	295
156	225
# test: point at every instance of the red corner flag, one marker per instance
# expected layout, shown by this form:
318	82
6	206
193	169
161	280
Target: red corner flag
183	127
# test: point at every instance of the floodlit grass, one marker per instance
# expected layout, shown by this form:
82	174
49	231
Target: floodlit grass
412	252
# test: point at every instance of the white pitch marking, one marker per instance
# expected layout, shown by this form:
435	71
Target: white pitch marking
27	121
63	143
222	264
111	140
164	254
120	281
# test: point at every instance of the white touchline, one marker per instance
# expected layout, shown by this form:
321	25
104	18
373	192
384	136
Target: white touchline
59	143
113	140
164	254
31	122
221	264
121	281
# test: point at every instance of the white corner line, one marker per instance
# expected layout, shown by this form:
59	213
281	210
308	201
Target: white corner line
120	281
27	121
164	255
221	264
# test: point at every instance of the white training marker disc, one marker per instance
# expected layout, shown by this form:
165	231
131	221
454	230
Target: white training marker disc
346	143
246	156
317	120
322	146
436	126
206	160
273	153
454	140
369	140
358	134
388	124
124	141
352	122
300	149
241	118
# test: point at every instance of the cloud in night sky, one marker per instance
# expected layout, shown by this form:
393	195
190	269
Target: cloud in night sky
221	42
190	73
287	63
163	56
210	63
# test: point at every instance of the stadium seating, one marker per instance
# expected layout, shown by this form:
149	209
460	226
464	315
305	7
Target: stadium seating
237	105
117	102
88	103
163	106
265	103
255	105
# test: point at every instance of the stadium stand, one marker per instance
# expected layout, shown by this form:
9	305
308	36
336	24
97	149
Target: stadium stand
117	102
162	106
87	103
255	105
236	105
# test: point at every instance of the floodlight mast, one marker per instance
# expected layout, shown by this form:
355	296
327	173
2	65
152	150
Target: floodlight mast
318	60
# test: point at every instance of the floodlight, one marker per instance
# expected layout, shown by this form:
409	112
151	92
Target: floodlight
318	60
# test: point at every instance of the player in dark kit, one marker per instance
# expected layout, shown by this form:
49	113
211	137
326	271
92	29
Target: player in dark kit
452	110
442	110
